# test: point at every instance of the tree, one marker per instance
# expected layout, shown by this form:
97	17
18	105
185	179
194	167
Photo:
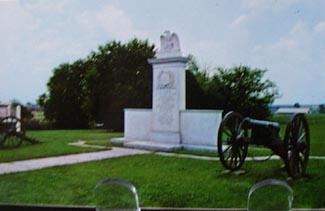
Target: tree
98	88
246	92
240	89
202	91
63	106
122	78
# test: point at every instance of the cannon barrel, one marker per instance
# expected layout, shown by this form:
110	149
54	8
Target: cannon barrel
250	123
263	132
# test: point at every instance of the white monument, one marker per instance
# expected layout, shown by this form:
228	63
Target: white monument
168	90
168	125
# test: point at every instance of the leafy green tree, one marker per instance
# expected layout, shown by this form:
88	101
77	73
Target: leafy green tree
202	91
122	78
97	89
64	104
245	91
240	89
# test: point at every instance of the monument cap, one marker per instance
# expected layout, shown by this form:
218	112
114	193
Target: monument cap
169	45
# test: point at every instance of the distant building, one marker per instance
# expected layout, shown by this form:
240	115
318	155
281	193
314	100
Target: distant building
304	110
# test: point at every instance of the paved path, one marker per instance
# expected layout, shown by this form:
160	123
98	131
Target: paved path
34	164
28	165
257	158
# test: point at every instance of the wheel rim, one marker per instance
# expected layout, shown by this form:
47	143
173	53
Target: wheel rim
297	145
231	147
12	131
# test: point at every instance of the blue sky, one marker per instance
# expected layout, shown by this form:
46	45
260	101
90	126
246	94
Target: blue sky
286	37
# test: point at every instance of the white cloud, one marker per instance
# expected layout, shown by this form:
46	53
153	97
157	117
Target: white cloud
117	23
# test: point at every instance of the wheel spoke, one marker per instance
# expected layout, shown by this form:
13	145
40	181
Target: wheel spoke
301	137
227	132
228	155
230	159
227	149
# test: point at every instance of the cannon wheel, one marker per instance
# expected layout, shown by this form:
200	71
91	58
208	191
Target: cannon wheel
13	133
232	149
297	145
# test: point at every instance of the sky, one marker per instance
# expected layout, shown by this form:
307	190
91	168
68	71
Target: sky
286	37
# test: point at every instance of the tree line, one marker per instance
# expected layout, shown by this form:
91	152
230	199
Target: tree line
117	76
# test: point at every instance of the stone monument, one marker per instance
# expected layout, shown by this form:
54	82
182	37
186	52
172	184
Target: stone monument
168	90
169	125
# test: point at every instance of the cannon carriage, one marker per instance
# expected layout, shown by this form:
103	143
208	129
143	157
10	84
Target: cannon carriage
237	133
12	133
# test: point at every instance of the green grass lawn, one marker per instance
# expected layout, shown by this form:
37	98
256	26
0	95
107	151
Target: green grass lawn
55	142
161	182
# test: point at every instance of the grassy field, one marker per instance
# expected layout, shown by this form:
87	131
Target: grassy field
55	142
161	181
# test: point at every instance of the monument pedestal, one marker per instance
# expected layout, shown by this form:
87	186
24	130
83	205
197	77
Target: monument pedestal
168	99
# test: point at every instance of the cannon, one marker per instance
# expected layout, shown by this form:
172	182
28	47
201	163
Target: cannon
12	133
237	133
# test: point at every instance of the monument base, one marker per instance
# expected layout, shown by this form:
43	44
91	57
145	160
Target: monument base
198	131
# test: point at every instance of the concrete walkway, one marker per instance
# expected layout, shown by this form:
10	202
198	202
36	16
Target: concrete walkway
28	165
248	158
34	164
